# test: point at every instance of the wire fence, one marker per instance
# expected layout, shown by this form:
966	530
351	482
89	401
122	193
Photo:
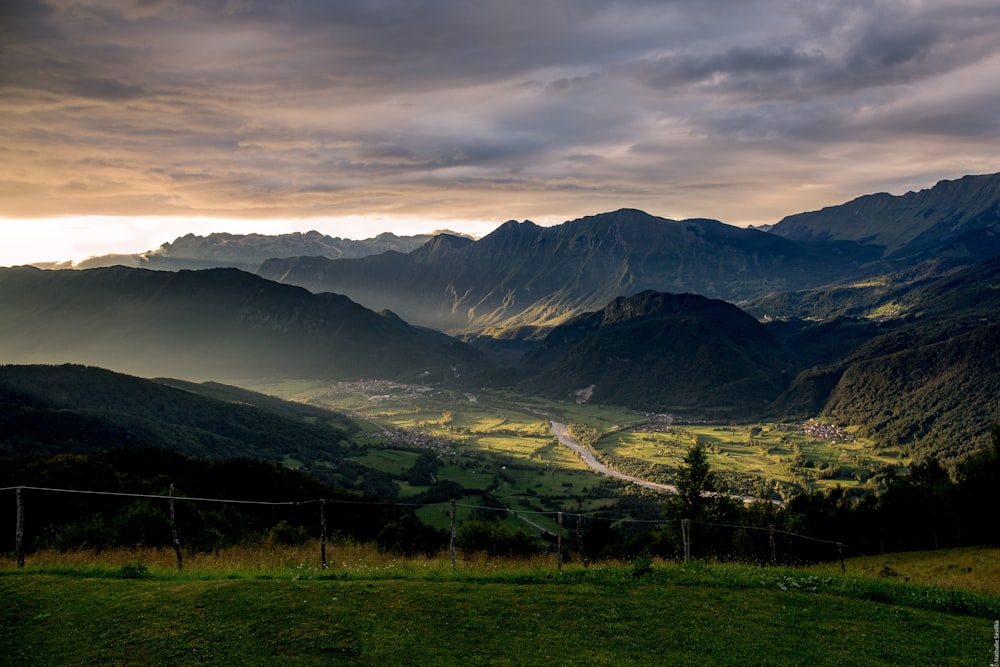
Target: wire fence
557	535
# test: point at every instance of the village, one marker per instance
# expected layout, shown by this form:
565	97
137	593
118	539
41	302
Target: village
822	431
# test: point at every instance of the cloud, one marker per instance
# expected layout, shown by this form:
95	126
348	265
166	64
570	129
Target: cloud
488	110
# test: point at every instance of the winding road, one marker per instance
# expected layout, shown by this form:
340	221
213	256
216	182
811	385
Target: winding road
562	434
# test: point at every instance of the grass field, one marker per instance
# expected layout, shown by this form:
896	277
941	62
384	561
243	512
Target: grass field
370	609
971	568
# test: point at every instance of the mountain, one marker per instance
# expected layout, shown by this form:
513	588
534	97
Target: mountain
927	379
522	276
212	324
958	219
663	352
248	251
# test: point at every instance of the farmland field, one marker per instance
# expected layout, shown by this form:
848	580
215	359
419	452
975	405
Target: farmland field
502	441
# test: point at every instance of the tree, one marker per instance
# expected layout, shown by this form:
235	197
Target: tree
978	477
407	535
495	538
698	501
695	485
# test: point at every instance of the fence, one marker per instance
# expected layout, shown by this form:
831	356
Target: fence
685	525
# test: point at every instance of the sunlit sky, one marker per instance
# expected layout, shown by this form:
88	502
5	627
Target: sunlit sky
124	125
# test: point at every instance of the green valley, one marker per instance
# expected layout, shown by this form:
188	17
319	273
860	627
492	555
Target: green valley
502	442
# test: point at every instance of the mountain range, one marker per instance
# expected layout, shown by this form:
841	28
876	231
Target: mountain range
881	313
247	251
523	277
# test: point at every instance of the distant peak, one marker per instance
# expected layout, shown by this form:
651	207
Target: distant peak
442	243
615	217
439	232
514	224
512	227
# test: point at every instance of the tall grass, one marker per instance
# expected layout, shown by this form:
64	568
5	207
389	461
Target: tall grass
968	568
364	562
344	560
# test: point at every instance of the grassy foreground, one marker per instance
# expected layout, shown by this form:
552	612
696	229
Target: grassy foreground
426	614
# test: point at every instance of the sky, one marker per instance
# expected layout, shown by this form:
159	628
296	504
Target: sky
125	124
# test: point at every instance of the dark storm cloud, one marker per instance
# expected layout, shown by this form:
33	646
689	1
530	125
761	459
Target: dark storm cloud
496	110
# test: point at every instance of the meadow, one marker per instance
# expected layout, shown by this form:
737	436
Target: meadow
275	606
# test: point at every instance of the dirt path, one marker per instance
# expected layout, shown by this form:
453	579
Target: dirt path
562	434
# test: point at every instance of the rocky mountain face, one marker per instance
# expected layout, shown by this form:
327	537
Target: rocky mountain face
525	277
212	324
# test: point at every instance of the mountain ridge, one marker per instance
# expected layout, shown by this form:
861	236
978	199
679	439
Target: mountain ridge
526	275
248	251
959	216
210	324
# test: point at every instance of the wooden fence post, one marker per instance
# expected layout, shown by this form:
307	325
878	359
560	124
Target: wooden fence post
579	537
454	562
173	530
19	530
774	547
559	540
686	536
322	532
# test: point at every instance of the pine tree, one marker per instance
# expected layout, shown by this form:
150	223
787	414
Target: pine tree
695	485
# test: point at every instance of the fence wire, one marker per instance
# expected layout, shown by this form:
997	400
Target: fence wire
559	515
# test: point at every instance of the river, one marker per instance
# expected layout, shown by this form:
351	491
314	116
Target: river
562	434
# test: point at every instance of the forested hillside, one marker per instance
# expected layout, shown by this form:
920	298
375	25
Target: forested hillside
71	409
660	351
927	378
